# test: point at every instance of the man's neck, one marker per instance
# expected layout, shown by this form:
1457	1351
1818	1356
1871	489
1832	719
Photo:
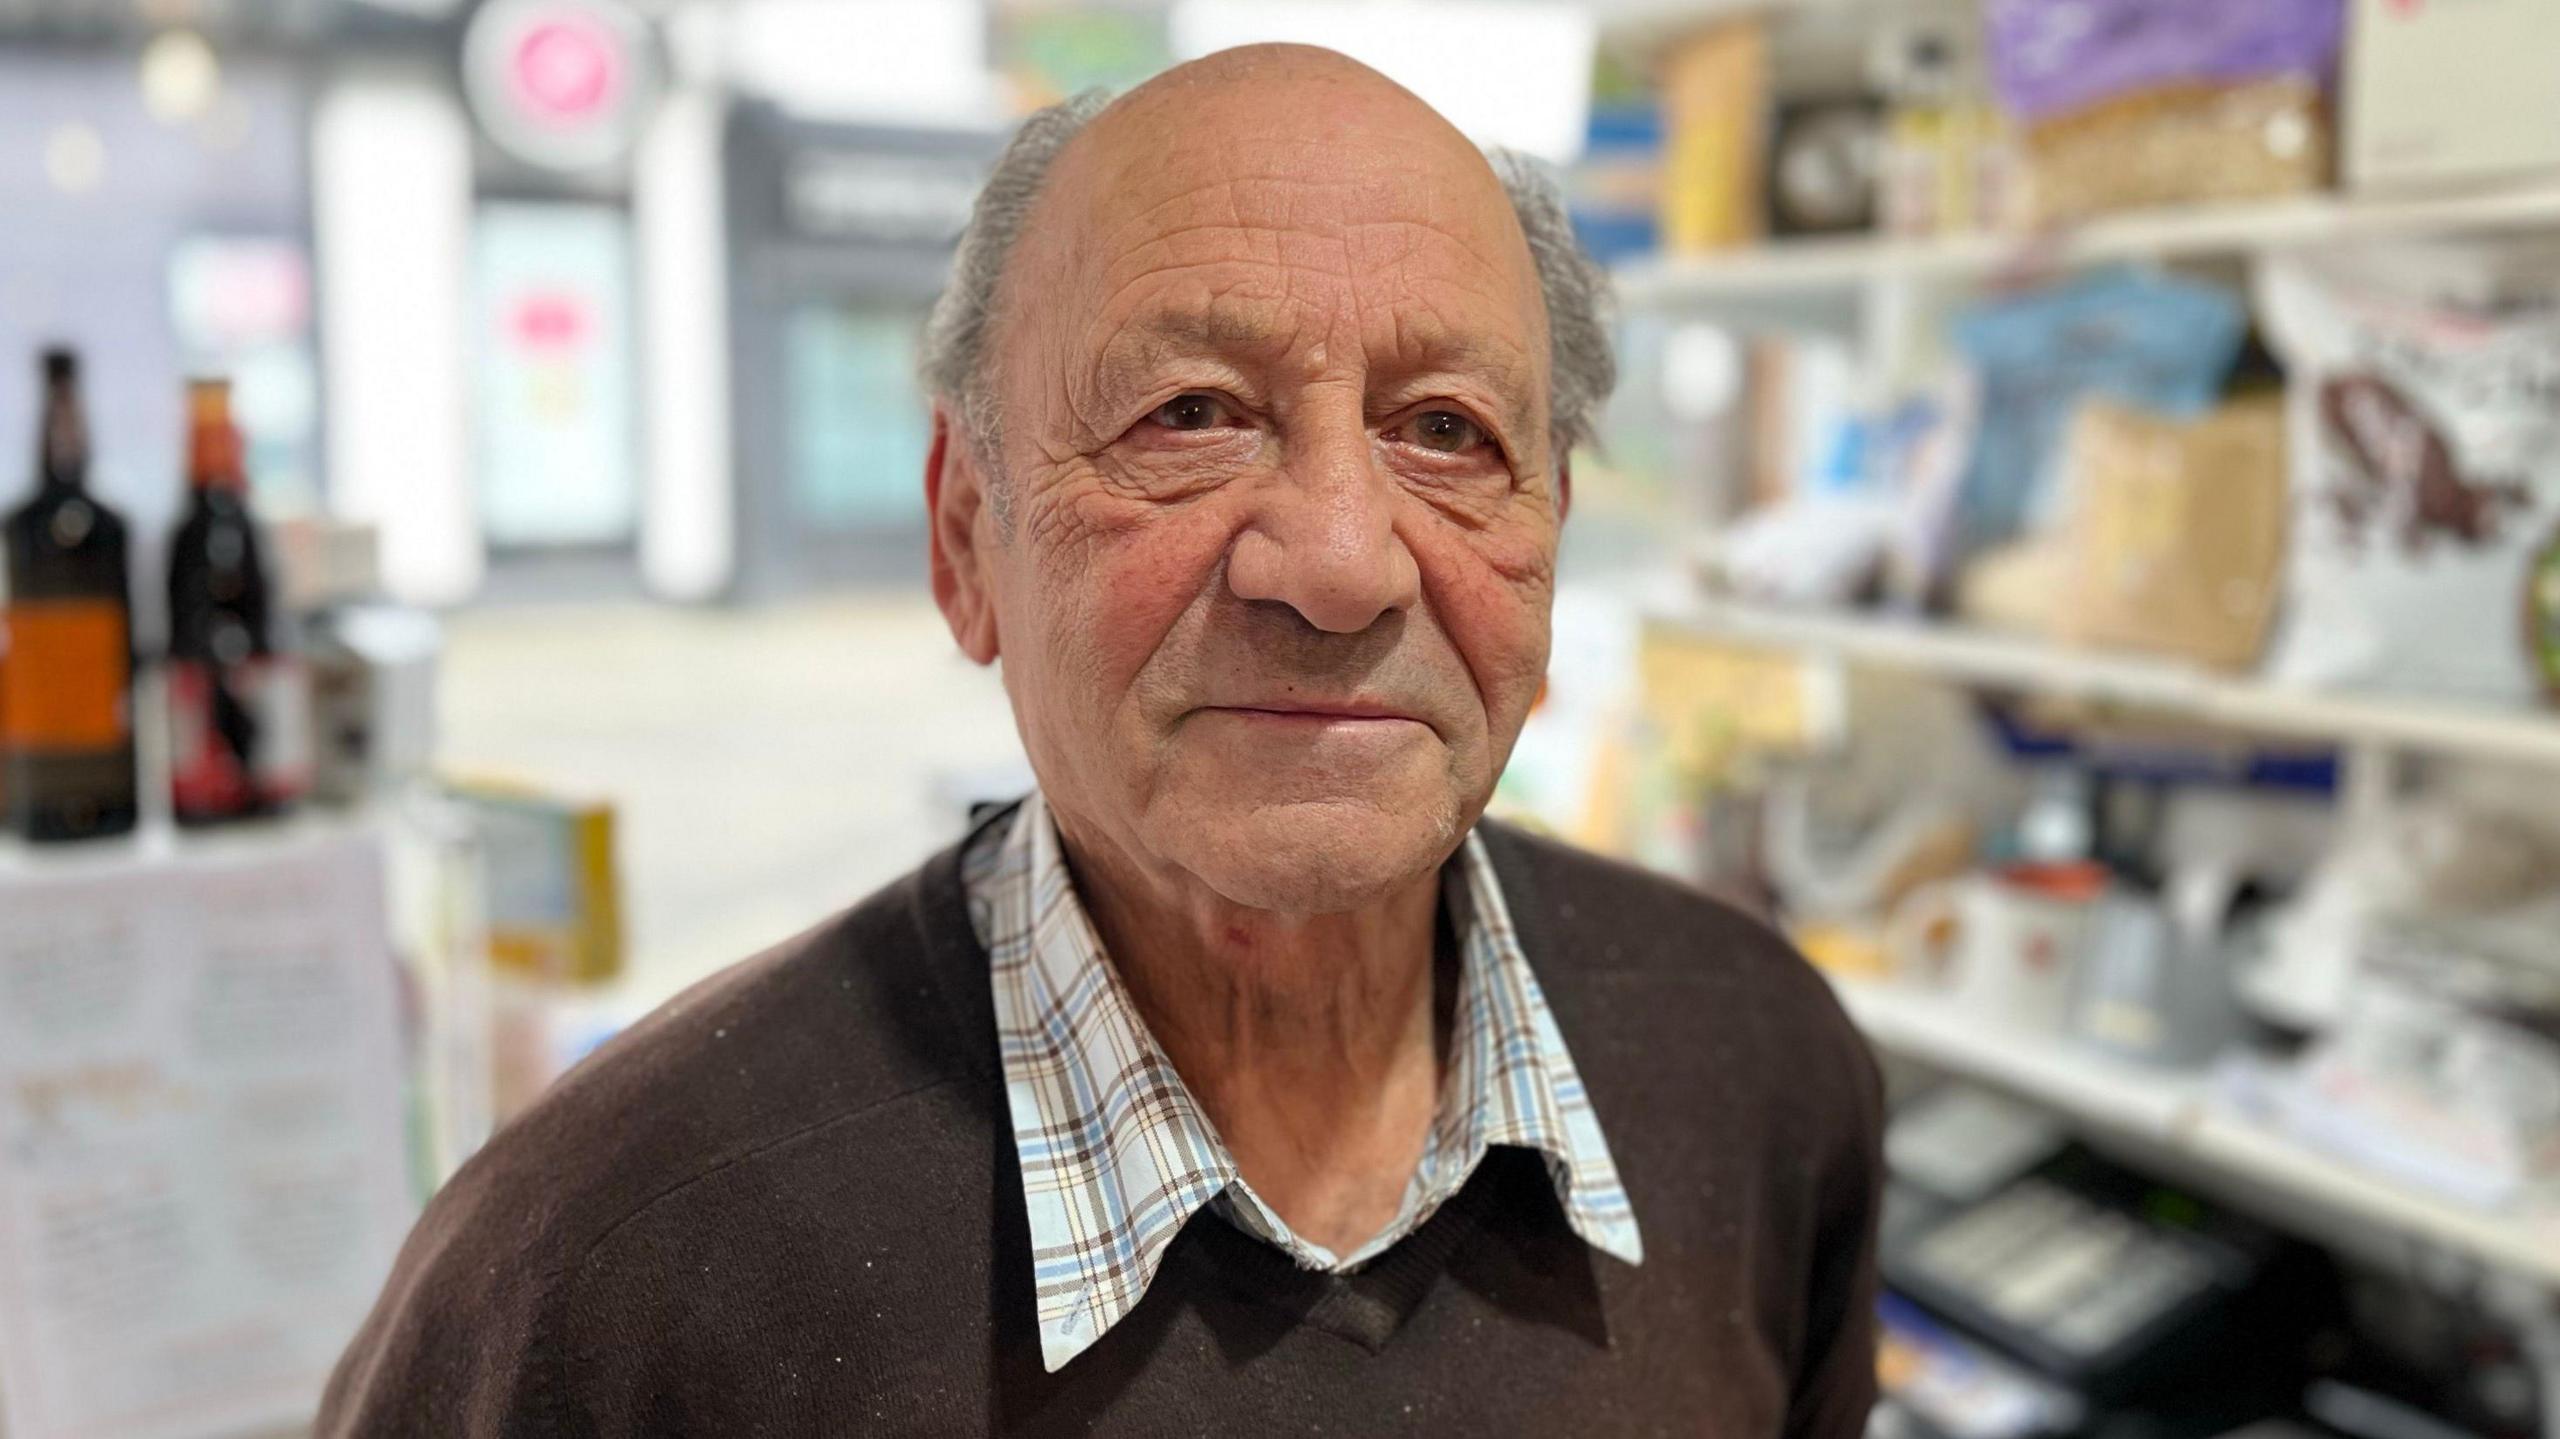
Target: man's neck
1312	1042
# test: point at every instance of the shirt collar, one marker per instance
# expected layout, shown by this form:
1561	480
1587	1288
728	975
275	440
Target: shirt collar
1116	1156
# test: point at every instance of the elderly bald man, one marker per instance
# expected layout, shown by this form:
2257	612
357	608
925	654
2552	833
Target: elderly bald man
1239	1080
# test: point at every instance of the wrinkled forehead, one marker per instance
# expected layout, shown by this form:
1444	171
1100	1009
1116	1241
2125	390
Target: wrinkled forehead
1285	221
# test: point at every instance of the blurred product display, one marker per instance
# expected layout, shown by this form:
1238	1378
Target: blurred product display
2169	538
66	693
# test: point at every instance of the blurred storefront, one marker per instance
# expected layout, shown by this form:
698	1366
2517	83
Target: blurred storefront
838	239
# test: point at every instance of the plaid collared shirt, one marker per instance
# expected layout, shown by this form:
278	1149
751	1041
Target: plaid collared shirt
1116	1156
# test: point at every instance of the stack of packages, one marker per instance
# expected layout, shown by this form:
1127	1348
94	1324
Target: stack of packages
2121	492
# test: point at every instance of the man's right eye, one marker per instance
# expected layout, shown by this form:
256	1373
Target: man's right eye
1192	412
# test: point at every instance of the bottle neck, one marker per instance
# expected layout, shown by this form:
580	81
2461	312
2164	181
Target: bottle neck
213	465
213	443
62	446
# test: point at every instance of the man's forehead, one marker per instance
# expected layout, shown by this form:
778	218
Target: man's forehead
1315	160
1204	218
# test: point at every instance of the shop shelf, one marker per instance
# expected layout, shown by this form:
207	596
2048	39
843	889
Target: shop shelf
2180	1114
2169	233
2512	734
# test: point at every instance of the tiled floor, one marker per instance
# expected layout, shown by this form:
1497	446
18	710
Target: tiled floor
769	764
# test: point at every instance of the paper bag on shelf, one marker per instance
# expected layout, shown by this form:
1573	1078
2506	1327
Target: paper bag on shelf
2175	540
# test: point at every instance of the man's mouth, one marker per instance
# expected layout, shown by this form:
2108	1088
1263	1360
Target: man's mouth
1319	710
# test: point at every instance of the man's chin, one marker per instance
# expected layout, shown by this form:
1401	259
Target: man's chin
1310	856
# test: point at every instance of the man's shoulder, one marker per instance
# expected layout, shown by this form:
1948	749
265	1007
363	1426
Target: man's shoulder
829	1029
805	1072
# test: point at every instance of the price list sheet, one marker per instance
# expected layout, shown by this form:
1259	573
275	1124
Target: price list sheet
203	1167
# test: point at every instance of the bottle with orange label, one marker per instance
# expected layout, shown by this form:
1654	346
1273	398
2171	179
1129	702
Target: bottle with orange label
238	720
66	698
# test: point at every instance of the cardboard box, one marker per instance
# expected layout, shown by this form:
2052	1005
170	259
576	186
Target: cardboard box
2438	91
554	898
1715	101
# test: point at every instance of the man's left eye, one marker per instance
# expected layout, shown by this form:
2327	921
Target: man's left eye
1446	431
1192	411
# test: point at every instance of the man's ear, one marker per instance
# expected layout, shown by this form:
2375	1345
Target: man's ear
1564	488
955	499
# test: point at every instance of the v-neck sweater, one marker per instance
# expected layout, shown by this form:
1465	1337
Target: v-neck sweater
789	1203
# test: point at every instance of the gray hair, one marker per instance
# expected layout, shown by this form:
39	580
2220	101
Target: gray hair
1582	365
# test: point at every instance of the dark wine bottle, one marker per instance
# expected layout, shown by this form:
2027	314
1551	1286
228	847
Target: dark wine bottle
66	698
236	730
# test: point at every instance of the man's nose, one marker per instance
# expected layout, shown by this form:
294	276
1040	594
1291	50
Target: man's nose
1324	540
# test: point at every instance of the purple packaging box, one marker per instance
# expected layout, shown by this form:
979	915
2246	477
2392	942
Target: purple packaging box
2049	57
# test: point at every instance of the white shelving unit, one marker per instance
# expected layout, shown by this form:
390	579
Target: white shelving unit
1996	661
1817	264
1887	285
2180	1113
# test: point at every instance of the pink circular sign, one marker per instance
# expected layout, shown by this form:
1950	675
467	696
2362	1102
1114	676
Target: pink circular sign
566	69
559	83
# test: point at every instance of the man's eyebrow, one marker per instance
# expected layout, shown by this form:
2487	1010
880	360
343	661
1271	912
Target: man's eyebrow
1152	336
1496	367
1216	328
1129	351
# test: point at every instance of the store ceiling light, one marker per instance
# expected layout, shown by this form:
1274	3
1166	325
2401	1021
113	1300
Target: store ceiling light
180	77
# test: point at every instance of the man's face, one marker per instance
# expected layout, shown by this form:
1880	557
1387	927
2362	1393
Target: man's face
1273	598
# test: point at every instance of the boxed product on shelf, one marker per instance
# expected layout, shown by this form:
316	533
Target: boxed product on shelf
2425	456
554	896
1948	168
2129	103
1615	189
1949	161
1715	102
2444	93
